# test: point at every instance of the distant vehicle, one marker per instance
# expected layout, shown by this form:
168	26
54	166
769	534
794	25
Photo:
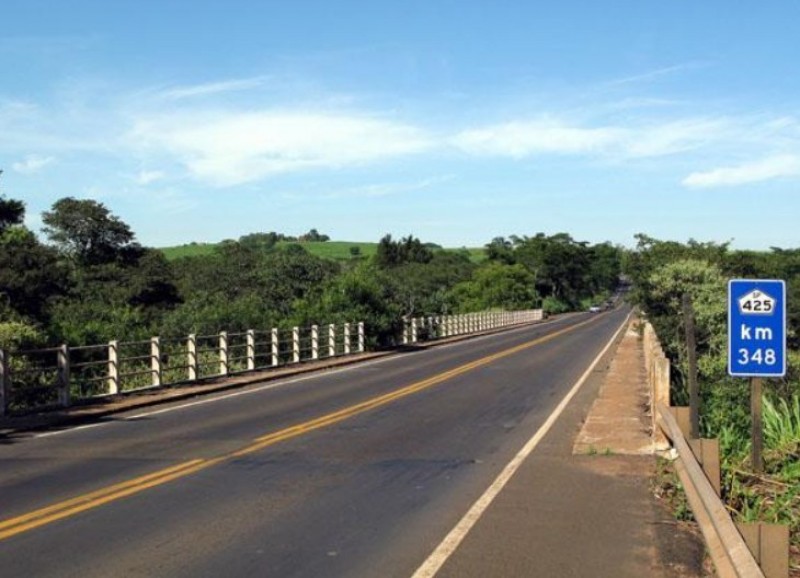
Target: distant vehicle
594	309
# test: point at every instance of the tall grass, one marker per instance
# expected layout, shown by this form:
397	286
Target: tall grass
781	422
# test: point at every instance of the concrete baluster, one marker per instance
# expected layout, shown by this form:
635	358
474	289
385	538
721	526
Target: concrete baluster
251	349
155	361
191	357
223	353
315	342
63	376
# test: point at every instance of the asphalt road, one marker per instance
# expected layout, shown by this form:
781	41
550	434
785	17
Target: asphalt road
354	472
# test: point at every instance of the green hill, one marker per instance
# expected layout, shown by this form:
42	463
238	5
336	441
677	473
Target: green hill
335	250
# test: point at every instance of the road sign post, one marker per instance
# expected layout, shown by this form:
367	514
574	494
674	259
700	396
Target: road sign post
756	341
691	356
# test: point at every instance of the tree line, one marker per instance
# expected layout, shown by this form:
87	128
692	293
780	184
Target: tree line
90	281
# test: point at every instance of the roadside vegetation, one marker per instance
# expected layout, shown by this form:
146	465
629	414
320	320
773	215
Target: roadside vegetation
336	250
89	281
661	273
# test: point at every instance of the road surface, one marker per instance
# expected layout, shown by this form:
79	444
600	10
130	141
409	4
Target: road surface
354	472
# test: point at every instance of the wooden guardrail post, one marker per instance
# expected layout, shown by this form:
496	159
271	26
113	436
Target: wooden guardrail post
707	453
683	419
63	376
155	360
769	544
4	383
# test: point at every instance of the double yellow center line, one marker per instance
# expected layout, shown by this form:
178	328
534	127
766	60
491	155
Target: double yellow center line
73	506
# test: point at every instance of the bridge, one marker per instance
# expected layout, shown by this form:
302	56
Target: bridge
454	459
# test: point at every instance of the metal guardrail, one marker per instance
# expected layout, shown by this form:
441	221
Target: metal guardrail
59	376
727	548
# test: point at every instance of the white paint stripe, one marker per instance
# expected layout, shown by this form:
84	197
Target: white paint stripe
451	542
273	385
216	398
60	432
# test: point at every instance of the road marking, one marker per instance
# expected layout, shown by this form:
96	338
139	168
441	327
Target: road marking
75	428
82	503
78	504
451	542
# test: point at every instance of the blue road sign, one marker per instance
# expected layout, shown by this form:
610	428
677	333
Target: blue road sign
756	328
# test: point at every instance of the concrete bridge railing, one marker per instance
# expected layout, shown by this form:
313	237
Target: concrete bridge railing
418	329
62	376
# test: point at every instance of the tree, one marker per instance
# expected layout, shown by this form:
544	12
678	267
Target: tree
500	249
12	212
30	275
86	231
362	293
29	272
263	241
391	253
562	266
496	286
313	236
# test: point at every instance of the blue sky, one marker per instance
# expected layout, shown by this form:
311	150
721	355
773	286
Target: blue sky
453	121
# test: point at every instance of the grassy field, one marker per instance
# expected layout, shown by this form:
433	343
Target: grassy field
336	250
192	250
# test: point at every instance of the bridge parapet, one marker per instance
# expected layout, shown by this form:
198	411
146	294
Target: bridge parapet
61	376
418	329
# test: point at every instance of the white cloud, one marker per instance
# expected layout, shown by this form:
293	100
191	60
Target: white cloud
210	88
766	169
387	189
525	138
148	177
233	148
31	164
521	139
658	73
673	137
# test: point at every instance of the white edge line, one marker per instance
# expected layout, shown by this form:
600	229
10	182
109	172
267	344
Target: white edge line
276	384
451	542
76	428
